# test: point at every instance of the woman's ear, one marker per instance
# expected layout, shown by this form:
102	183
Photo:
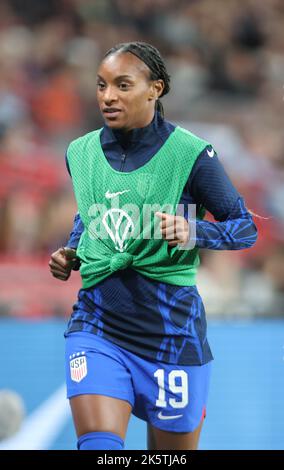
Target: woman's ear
159	87
156	89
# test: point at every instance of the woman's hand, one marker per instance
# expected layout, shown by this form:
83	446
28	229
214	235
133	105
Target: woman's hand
62	262
174	228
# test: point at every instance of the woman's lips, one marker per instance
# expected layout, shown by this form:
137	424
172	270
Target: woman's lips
111	113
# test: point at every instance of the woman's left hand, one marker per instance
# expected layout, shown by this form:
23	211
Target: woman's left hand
174	228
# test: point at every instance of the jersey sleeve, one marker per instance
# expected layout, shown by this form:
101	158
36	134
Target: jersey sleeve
210	187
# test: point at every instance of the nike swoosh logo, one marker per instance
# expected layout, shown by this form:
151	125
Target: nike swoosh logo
211	153
109	195
161	416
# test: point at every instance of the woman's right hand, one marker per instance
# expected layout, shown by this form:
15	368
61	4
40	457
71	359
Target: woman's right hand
61	263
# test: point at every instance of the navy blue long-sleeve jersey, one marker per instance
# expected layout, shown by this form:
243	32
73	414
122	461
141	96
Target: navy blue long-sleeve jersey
151	318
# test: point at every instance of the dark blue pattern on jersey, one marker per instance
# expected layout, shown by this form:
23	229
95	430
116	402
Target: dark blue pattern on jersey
173	328
77	230
153	319
233	234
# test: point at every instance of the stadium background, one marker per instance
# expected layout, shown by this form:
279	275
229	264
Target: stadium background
226	59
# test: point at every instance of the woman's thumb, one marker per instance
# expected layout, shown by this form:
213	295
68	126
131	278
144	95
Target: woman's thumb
69	253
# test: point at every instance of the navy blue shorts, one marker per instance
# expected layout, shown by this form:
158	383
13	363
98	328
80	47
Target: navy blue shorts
168	396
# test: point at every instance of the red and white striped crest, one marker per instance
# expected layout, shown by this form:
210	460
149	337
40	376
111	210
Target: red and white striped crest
78	368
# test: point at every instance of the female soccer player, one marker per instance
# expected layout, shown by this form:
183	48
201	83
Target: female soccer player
136	340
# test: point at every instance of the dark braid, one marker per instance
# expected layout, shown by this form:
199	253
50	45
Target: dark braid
154	61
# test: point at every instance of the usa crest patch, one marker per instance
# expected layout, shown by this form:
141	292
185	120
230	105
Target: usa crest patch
78	366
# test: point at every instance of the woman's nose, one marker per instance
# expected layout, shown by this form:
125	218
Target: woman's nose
110	95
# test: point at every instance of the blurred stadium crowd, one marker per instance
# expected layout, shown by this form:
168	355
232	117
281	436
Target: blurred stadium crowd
226	60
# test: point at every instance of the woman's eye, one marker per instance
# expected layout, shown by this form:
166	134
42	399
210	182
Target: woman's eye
124	86
100	85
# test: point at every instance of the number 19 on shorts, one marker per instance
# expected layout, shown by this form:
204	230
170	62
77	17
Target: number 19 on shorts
178	384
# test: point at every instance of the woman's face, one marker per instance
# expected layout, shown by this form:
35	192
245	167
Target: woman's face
125	94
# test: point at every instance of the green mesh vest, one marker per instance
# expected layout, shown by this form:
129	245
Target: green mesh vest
117	209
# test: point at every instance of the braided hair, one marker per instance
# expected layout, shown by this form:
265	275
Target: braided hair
154	61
